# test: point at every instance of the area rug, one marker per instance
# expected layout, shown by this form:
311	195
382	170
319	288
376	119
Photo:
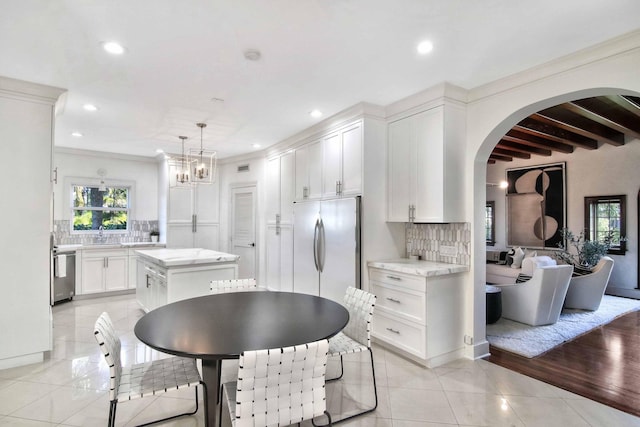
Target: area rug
531	341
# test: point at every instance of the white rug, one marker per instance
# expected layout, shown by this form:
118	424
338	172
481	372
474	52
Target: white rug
531	341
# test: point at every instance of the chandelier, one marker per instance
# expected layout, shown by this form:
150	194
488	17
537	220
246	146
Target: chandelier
179	169
203	162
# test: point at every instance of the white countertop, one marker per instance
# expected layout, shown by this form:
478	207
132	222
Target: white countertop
420	268
187	256
75	247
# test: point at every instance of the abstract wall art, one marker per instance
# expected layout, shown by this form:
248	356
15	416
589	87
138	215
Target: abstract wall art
536	205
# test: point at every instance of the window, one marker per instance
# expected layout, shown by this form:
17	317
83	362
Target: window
489	223
96	206
604	215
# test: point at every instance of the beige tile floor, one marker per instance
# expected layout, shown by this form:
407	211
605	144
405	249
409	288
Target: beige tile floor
69	387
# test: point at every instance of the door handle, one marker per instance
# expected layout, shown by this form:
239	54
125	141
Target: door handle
315	244
321	246
252	245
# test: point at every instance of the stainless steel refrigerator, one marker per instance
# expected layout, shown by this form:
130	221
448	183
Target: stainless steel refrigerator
326	247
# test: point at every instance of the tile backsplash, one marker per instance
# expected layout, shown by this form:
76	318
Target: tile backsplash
138	232
429	240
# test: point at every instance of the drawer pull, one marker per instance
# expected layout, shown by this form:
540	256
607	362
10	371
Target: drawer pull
394	278
393	331
393	300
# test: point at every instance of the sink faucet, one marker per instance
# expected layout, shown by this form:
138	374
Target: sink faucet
100	231
101	237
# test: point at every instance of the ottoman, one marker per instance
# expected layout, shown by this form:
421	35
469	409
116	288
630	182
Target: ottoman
494	303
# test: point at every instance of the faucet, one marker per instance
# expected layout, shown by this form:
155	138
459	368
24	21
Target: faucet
101	237
100	231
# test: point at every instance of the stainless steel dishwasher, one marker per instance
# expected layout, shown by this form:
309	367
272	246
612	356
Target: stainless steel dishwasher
64	278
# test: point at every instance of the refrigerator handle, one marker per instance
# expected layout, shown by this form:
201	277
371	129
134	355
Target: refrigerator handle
321	247
315	244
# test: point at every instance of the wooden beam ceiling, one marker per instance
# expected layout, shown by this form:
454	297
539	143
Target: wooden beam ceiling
585	123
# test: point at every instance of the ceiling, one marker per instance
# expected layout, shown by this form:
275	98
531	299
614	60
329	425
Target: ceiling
584	123
184	61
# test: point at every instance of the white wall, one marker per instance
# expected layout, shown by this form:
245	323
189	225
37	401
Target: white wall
610	68
607	171
142	171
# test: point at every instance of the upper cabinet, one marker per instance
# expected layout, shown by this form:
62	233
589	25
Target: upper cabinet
342	162
425	175
330	166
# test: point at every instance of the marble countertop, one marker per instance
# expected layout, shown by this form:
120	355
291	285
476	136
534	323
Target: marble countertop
76	247
187	256
420	268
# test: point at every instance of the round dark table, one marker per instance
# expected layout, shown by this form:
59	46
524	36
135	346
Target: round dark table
222	326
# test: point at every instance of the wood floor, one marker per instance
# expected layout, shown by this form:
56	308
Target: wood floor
603	365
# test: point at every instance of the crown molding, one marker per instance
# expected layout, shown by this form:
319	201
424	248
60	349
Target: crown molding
20	89
104	154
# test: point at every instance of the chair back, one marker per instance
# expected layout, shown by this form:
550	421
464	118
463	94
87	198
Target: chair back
554	283
110	345
360	305
232	285
281	386
604	268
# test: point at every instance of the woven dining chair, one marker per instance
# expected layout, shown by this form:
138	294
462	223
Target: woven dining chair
356	336
232	285
278	387
142	379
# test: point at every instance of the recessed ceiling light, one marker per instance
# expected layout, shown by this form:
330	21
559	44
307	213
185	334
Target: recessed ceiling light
315	114
425	47
76	134
252	54
113	48
159	151
90	107
256	145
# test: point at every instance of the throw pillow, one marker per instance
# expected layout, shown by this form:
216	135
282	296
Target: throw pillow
522	278
518	256
509	259
528	253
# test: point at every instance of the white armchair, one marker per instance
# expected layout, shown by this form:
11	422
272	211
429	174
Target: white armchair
537	301
585	292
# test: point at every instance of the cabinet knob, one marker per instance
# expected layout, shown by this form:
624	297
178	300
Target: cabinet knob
305	192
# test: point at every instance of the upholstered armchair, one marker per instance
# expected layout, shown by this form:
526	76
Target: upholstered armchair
539	300
585	292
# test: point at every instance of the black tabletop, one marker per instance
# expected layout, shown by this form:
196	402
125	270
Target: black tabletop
225	325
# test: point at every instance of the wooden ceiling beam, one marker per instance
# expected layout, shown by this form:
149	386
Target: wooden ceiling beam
608	113
554	133
629	103
565	119
511	153
500	157
514	146
491	162
520	137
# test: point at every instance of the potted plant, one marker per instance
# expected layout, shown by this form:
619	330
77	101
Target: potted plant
582	253
155	235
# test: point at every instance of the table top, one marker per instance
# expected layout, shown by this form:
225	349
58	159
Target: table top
222	326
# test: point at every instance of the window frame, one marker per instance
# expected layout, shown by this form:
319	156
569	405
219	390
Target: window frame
94	184
490	204
591	201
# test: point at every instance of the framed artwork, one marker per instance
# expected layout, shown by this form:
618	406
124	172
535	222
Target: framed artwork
536	205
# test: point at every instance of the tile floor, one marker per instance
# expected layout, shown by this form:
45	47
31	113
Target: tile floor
69	388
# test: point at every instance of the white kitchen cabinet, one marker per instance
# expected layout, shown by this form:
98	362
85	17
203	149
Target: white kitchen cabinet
342	162
419	316
425	177
279	232
193	216
103	271
308	171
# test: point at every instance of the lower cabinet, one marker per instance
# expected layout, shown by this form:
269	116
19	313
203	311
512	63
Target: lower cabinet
419	316
104	271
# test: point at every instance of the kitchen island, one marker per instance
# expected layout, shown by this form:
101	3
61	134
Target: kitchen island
169	275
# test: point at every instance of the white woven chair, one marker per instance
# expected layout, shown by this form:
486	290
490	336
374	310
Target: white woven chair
278	387
142	379
356	336
232	285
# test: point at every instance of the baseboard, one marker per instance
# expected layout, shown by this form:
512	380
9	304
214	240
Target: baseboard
26	359
481	350
623	292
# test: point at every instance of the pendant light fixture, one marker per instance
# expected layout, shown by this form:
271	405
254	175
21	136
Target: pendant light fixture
203	162
179	169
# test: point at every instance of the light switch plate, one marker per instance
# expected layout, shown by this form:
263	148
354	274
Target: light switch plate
448	250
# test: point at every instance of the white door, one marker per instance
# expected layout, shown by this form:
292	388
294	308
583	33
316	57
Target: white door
243	230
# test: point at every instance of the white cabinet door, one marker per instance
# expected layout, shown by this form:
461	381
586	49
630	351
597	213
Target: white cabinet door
400	180
180	235
286	188
331	164
207	236
180	204
351	180
309	171
286	258
142	285
272	188
93	275
115	273
206	202
272	275
428	133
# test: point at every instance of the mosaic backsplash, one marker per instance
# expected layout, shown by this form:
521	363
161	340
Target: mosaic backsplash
138	232
425	240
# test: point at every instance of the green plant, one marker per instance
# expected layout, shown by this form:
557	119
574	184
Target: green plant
586	253
154	233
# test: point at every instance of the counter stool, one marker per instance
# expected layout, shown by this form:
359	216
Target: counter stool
494	303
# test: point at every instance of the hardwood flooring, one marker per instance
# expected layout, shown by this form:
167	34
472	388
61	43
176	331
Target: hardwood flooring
602	365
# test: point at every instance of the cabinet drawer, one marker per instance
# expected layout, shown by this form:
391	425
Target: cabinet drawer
417	283
104	253
403	334
401	301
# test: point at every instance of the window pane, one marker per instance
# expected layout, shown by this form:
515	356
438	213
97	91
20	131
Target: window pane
92	220
93	197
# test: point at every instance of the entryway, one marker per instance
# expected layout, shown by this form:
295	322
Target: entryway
242	236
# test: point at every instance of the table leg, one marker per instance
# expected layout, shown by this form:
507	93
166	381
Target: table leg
211	370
